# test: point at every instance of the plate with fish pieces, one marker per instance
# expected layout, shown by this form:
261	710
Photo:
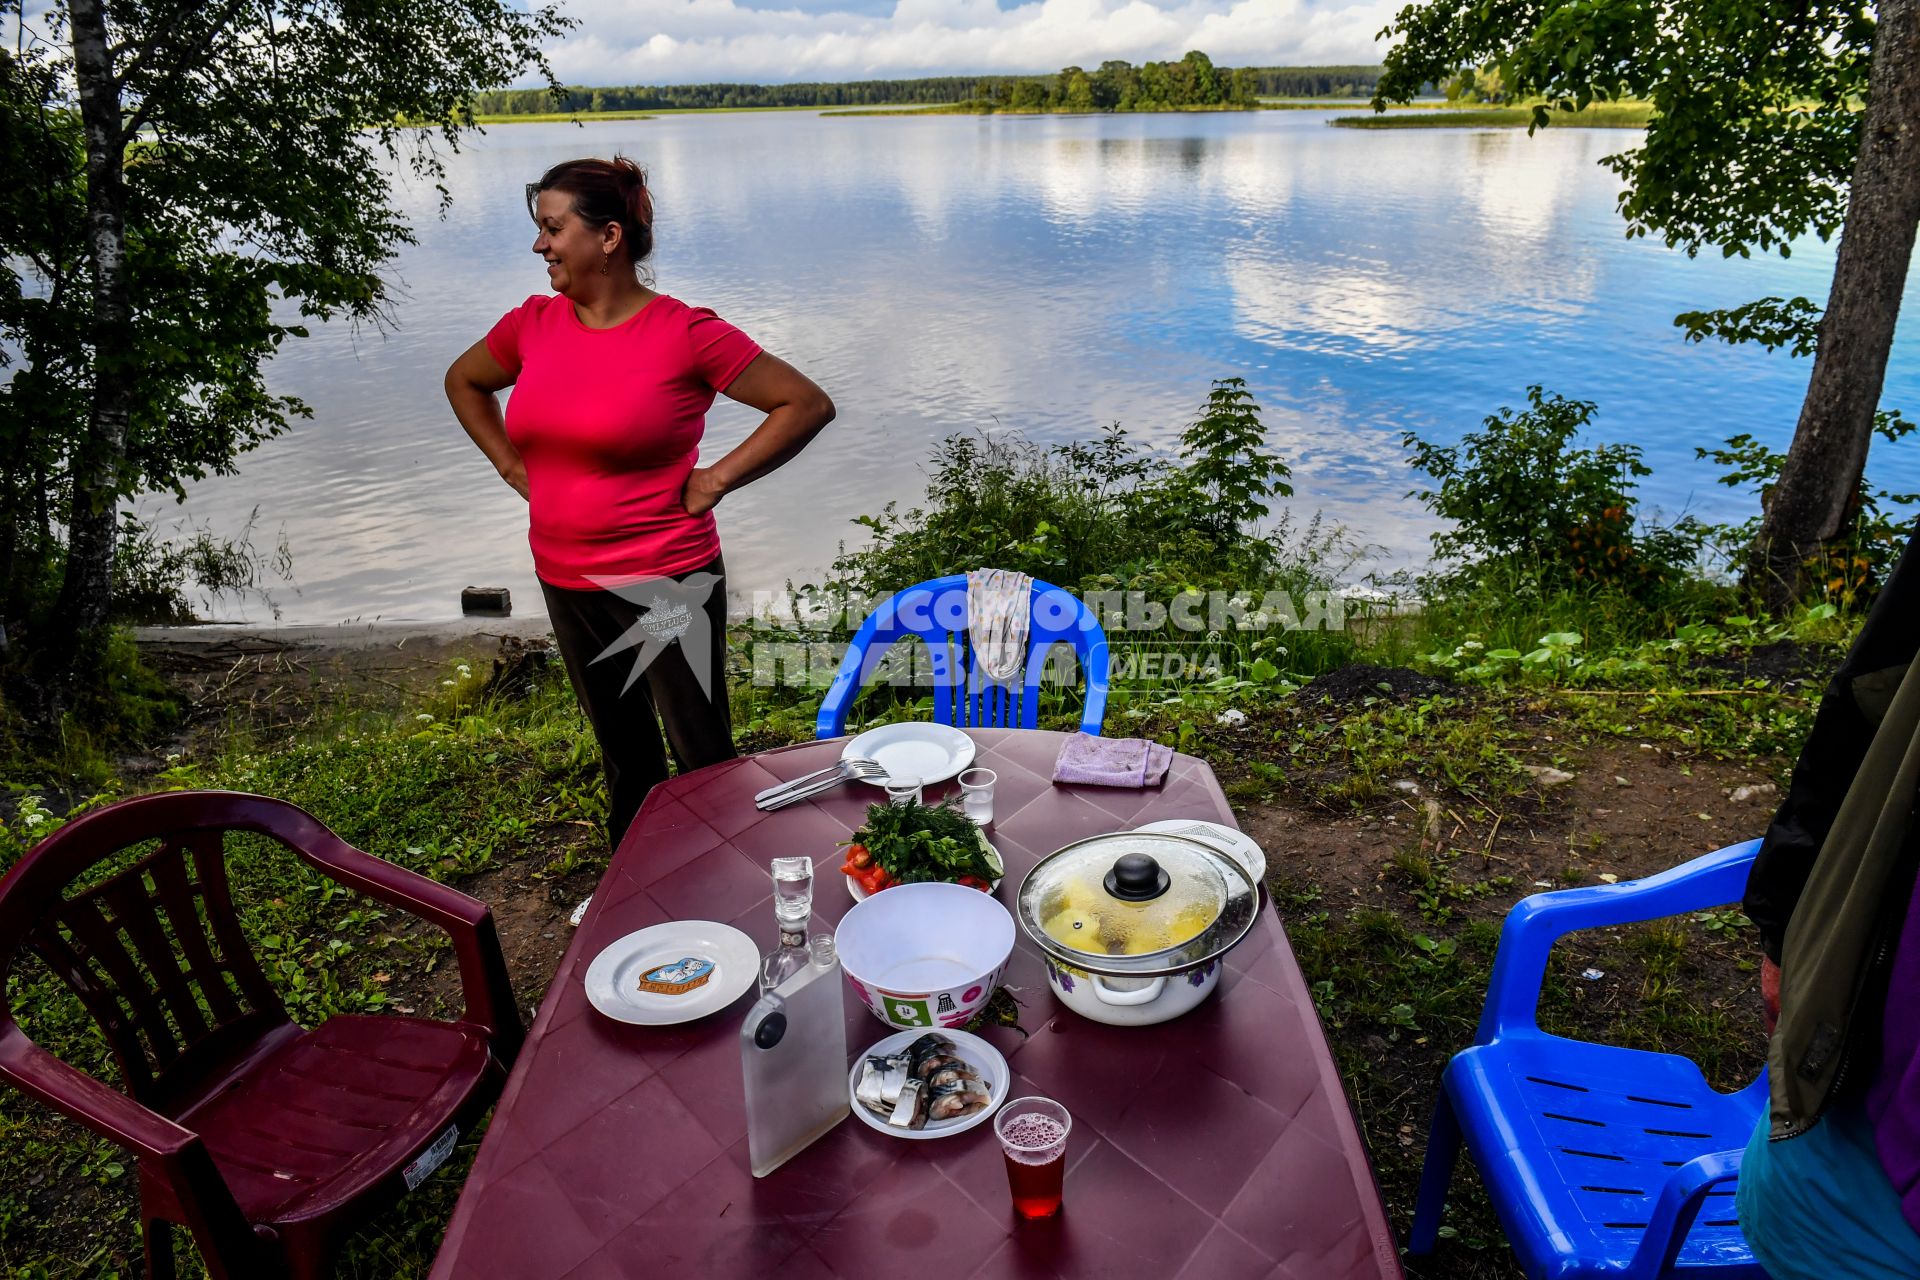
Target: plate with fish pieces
934	1083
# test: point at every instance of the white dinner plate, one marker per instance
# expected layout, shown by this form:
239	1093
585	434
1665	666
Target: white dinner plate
969	1048
929	752
613	979
1237	845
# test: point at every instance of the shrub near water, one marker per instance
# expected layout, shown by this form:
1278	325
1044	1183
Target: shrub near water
1106	516
1521	496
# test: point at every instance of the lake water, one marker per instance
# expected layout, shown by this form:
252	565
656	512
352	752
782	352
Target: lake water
1045	275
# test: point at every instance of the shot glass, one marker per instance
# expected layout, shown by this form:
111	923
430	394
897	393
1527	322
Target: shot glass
976	795
792	890
902	787
1033	1137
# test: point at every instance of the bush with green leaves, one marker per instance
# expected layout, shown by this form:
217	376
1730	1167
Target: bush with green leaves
1090	513
1523	501
1853	565
1105	515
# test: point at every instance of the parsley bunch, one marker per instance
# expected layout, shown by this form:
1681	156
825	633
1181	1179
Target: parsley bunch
917	843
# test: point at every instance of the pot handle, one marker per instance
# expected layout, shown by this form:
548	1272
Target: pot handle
1145	995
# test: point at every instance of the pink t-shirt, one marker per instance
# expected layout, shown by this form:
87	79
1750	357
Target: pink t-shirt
609	422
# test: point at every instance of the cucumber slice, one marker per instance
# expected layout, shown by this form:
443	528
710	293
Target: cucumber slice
993	857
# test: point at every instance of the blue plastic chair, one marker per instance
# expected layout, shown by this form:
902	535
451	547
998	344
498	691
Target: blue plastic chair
1601	1161
935	612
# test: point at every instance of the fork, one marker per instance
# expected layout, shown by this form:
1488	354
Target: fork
818	783
791	784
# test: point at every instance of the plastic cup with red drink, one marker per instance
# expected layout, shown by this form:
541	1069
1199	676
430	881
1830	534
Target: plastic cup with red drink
1033	1137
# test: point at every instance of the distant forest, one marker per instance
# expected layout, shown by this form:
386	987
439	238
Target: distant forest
1114	86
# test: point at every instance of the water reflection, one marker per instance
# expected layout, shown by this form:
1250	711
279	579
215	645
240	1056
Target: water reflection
1046	275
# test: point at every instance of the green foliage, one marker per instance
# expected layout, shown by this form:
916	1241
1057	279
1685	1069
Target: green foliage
1174	535
1229	462
250	175
1105	88
1793	323
1085	514
1441	739
1755	126
1484	84
1850	567
1193	83
451	791
1610	115
151	576
918	843
1522	501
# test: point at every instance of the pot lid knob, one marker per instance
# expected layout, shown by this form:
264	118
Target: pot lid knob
1136	877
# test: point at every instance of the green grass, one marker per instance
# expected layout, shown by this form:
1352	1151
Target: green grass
1329	104
1607	115
454	787
449	788
1399	983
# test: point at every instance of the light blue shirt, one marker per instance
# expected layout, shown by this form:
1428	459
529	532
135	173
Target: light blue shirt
1820	1207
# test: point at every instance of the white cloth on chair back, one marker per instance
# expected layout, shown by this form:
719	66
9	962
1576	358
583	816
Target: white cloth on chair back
999	615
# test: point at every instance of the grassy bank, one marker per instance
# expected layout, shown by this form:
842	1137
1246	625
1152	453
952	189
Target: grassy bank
1403	808
1576	701
1602	115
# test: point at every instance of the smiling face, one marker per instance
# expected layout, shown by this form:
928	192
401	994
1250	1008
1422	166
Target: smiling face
573	249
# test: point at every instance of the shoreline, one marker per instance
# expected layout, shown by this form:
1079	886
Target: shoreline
340	635
1611	115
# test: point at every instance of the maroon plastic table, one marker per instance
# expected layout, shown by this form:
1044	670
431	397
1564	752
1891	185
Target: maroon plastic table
1214	1146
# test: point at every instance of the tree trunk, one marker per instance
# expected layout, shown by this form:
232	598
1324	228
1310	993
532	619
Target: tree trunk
81	611
1815	497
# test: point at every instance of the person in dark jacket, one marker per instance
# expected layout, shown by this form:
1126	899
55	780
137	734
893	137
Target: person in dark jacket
1830	1183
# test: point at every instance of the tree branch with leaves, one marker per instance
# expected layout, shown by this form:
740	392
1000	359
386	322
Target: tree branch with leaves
1759	136
218	158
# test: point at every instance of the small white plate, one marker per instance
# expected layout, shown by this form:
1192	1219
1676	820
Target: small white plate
929	752
1237	845
968	1048
613	979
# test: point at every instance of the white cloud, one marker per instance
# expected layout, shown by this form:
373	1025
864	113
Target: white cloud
684	41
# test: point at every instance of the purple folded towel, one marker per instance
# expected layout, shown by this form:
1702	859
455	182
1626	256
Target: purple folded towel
1112	762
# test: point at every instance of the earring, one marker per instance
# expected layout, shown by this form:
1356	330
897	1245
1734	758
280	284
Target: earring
605	258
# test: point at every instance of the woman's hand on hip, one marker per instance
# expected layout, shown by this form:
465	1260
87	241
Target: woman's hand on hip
703	491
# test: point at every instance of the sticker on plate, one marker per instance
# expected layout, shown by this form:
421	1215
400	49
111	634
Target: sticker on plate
678	978
432	1158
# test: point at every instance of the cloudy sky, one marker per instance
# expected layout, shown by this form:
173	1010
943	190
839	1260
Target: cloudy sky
774	41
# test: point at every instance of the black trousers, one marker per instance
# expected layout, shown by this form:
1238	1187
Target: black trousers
665	627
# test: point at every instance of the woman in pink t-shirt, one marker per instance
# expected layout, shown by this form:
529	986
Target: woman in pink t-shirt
612	382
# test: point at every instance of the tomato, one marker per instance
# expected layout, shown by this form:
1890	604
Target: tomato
975	882
859	856
870	880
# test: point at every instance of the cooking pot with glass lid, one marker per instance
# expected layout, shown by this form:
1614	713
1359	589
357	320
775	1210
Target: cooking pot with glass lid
1134	926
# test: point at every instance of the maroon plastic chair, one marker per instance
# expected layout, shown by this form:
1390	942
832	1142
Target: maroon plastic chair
267	1142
